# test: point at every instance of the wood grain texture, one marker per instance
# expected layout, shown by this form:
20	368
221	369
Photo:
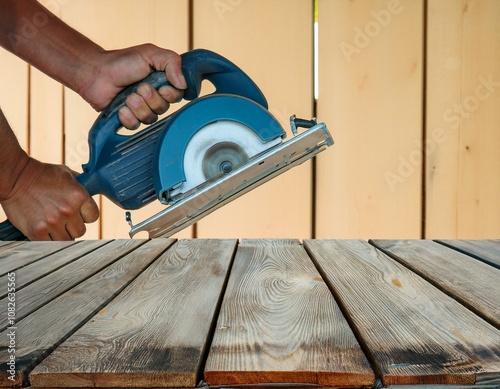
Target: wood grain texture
279	323
463	69
32	272
487	251
370	94
58	282
444	88
4	244
44	329
257	36
15	257
154	333
473	283
415	334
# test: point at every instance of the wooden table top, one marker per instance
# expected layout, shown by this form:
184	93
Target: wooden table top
230	313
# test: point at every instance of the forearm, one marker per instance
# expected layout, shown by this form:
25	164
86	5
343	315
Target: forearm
13	159
31	32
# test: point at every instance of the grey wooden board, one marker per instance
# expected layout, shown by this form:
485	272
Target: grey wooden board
39	333
4	244
155	333
413	332
17	256
280	323
484	250
46	265
47	288
472	282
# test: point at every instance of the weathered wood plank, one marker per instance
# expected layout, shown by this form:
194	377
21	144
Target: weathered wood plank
154	334
18	256
38	334
485	250
414	333
471	282
44	290
279	323
4	244
45	266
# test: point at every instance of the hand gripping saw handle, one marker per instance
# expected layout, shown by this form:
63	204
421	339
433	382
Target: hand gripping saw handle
119	165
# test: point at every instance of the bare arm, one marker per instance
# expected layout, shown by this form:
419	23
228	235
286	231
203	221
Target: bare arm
34	34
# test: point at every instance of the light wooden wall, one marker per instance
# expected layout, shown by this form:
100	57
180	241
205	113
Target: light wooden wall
408	88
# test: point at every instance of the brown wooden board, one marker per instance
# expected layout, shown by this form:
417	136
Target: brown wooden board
279	323
154	334
38	334
44	290
413	332
45	266
15	257
471	282
487	251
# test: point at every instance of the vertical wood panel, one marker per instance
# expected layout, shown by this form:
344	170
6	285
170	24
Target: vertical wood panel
463	177
272	42
46	109
370	94
369	183
14	97
116	24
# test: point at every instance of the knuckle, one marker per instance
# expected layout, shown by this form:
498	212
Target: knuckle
66	211
39	230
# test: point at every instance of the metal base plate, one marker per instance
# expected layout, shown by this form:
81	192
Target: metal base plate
213	195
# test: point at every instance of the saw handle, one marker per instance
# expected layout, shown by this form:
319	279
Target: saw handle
198	65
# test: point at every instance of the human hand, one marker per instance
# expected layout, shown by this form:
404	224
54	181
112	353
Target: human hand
48	203
118	69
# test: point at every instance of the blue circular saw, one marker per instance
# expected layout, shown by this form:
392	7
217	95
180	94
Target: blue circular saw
204	155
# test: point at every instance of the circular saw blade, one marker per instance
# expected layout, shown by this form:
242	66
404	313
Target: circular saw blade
219	148
223	158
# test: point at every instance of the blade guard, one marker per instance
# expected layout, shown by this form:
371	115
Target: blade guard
168	171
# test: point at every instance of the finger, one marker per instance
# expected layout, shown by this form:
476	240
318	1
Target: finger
153	99
76	229
39	231
60	234
127	118
173	71
171	94
140	109
89	211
